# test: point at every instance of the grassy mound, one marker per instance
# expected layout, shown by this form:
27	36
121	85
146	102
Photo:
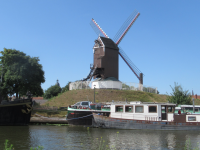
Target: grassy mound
103	95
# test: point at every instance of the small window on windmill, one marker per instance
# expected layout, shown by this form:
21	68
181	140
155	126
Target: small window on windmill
97	43
97	51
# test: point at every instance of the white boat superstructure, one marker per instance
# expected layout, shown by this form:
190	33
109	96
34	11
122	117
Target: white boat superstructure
143	111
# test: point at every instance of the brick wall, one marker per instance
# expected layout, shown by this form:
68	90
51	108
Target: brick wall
196	96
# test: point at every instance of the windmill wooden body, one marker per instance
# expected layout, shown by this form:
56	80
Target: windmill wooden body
106	52
106	58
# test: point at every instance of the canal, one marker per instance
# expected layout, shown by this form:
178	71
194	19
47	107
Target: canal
83	138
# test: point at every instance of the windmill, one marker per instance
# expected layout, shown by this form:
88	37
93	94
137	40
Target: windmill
106	52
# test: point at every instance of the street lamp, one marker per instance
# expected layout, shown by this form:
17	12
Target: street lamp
193	105
94	93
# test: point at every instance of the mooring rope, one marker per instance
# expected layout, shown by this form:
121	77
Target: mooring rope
80	117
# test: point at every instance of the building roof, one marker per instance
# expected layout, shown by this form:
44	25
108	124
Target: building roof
109	43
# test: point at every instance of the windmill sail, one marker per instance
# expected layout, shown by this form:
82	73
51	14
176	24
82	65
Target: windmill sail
117	39
125	27
97	29
131	65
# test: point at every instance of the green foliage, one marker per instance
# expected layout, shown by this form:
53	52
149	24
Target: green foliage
20	73
188	145
125	86
52	91
66	88
179	96
7	147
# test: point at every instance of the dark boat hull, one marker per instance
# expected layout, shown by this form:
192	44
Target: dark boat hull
80	118
117	123
16	113
83	117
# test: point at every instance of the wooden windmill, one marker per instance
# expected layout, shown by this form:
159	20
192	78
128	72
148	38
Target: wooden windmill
106	52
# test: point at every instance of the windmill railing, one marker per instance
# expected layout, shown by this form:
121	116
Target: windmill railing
112	85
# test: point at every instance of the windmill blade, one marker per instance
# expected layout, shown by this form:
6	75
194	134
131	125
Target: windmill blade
134	69
124	26
98	30
124	29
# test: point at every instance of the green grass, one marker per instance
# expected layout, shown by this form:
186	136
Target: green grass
103	95
49	113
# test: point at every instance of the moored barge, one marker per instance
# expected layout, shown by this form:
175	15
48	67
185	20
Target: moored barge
17	112
141	115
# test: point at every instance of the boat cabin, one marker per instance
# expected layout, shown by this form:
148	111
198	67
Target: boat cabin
187	109
143	111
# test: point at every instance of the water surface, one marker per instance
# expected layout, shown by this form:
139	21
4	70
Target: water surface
75	138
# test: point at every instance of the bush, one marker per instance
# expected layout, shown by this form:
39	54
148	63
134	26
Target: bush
179	96
66	88
52	91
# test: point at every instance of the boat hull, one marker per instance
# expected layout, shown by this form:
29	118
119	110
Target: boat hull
16	113
117	123
85	117
80	118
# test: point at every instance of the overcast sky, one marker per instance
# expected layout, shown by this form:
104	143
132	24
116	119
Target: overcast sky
164	42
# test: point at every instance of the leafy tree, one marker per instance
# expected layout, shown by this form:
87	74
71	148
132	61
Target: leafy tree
20	73
52	91
179	96
125	86
66	88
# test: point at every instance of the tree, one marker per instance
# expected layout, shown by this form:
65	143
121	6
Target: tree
179	96
20	73
52	91
66	88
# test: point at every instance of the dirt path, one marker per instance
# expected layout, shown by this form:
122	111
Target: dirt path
54	120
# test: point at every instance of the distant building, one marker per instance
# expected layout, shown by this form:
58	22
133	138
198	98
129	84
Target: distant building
57	83
196	96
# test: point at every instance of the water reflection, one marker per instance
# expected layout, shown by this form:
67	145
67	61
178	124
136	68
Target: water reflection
75	138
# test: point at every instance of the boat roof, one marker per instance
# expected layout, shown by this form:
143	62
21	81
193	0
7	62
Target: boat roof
188	105
139	102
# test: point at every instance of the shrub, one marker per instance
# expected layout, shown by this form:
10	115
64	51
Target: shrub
52	91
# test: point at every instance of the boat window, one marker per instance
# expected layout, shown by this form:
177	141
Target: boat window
189	108
139	109
119	109
84	103
152	109
196	109
170	109
192	118
129	109
77	104
163	109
